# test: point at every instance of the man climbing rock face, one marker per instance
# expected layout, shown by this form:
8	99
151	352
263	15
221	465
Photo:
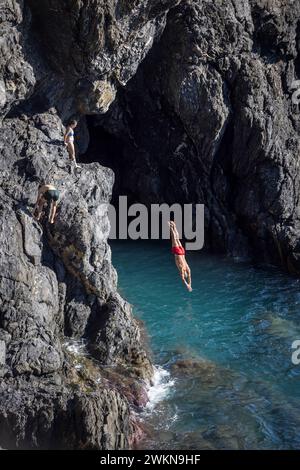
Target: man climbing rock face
47	194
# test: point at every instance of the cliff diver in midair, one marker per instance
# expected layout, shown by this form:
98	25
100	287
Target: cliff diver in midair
179	253
47	194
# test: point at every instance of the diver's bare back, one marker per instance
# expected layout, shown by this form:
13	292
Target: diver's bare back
181	264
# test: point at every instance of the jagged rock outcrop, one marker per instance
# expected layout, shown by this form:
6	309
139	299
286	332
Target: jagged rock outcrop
209	118
57	282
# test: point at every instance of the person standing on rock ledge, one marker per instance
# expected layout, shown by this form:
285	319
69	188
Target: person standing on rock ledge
179	253
69	141
47	194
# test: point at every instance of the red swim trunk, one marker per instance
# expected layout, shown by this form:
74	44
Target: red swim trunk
178	250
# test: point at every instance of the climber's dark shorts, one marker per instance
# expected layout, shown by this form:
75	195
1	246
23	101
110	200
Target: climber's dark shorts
51	195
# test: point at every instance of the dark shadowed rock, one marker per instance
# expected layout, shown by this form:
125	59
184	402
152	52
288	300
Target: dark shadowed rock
35	420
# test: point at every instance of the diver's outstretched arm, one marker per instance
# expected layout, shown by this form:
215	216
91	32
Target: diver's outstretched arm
189	279
175	231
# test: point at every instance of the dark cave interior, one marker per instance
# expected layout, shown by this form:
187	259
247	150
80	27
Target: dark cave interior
107	149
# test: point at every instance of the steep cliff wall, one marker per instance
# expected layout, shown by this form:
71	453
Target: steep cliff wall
209	118
198	96
57	282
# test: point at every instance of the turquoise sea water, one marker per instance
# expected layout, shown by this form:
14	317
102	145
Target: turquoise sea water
224	376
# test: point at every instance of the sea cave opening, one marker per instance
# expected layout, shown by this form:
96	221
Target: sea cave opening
106	149
110	150
115	150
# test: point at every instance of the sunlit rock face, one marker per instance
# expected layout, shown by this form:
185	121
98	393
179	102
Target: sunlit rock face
95	46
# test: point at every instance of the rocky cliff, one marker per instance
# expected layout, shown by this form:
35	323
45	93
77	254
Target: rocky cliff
57	282
194	97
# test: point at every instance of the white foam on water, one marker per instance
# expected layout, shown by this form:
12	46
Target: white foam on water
77	347
160	388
